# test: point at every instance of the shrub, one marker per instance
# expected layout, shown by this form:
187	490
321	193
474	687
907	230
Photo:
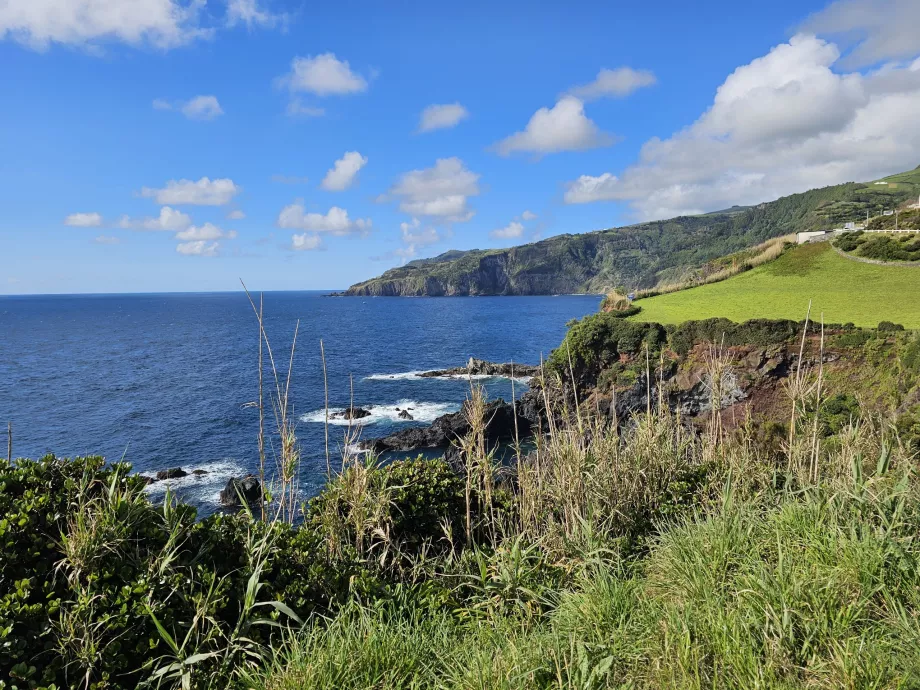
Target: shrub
597	341
86	561
889	327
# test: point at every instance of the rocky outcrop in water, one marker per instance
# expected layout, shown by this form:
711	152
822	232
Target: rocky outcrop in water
445	430
481	367
248	490
351	413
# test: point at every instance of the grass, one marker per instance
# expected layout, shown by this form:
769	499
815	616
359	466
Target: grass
845	291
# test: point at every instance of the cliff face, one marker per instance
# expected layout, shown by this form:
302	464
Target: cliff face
635	256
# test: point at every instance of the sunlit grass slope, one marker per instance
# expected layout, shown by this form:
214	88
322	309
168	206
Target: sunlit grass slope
842	289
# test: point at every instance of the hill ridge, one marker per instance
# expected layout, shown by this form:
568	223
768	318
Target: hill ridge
635	256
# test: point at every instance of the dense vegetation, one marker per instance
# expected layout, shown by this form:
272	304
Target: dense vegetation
881	246
637	256
843	290
652	554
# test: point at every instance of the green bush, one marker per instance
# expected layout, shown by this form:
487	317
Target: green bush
759	332
598	341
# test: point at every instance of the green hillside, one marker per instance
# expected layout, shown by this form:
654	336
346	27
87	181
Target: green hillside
843	289
638	256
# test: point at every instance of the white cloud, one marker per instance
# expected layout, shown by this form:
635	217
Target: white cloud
588	188
527	215
249	12
441	191
236	214
784	123
617	83
208	231
323	75
169	220
441	116
107	239
83	220
161	24
341	176
204	192
564	127
297	109
306	242
198	248
202	108
197	108
511	231
881	29
335	221
414	234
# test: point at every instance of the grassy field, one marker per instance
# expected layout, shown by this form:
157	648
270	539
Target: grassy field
842	289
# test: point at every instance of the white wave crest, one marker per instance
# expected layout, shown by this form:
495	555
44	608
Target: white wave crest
417	376
420	411
203	488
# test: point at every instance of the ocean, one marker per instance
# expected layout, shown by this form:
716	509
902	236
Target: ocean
164	380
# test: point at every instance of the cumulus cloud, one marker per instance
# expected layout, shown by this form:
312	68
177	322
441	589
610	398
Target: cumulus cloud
208	231
564	127
162	24
341	176
204	192
83	220
335	221
250	13
511	231
441	116
441	191
528	215
616	83
323	75
236	214
783	123
197	108
169	220
306	242
414	234
198	248
877	30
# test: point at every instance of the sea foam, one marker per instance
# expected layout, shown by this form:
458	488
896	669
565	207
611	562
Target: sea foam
201	488
420	411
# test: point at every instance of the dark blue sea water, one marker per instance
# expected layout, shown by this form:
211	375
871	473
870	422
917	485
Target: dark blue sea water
162	380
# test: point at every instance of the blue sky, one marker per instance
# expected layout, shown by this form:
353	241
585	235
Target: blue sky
171	147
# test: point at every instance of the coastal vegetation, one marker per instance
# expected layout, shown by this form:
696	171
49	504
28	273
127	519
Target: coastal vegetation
842	289
880	246
705	528
649	255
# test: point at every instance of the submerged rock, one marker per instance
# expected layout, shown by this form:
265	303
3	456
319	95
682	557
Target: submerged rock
480	367
248	488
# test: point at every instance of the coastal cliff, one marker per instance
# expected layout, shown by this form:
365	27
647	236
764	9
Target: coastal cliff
635	256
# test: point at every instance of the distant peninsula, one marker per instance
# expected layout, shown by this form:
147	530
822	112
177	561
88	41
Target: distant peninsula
636	256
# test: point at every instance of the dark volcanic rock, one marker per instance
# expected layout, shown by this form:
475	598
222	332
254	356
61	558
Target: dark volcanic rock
248	488
173	473
199	472
351	413
444	430
403	414
480	367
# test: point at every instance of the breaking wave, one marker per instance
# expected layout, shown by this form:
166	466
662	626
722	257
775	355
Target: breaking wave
420	411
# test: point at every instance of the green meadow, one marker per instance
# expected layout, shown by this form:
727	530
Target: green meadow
841	289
